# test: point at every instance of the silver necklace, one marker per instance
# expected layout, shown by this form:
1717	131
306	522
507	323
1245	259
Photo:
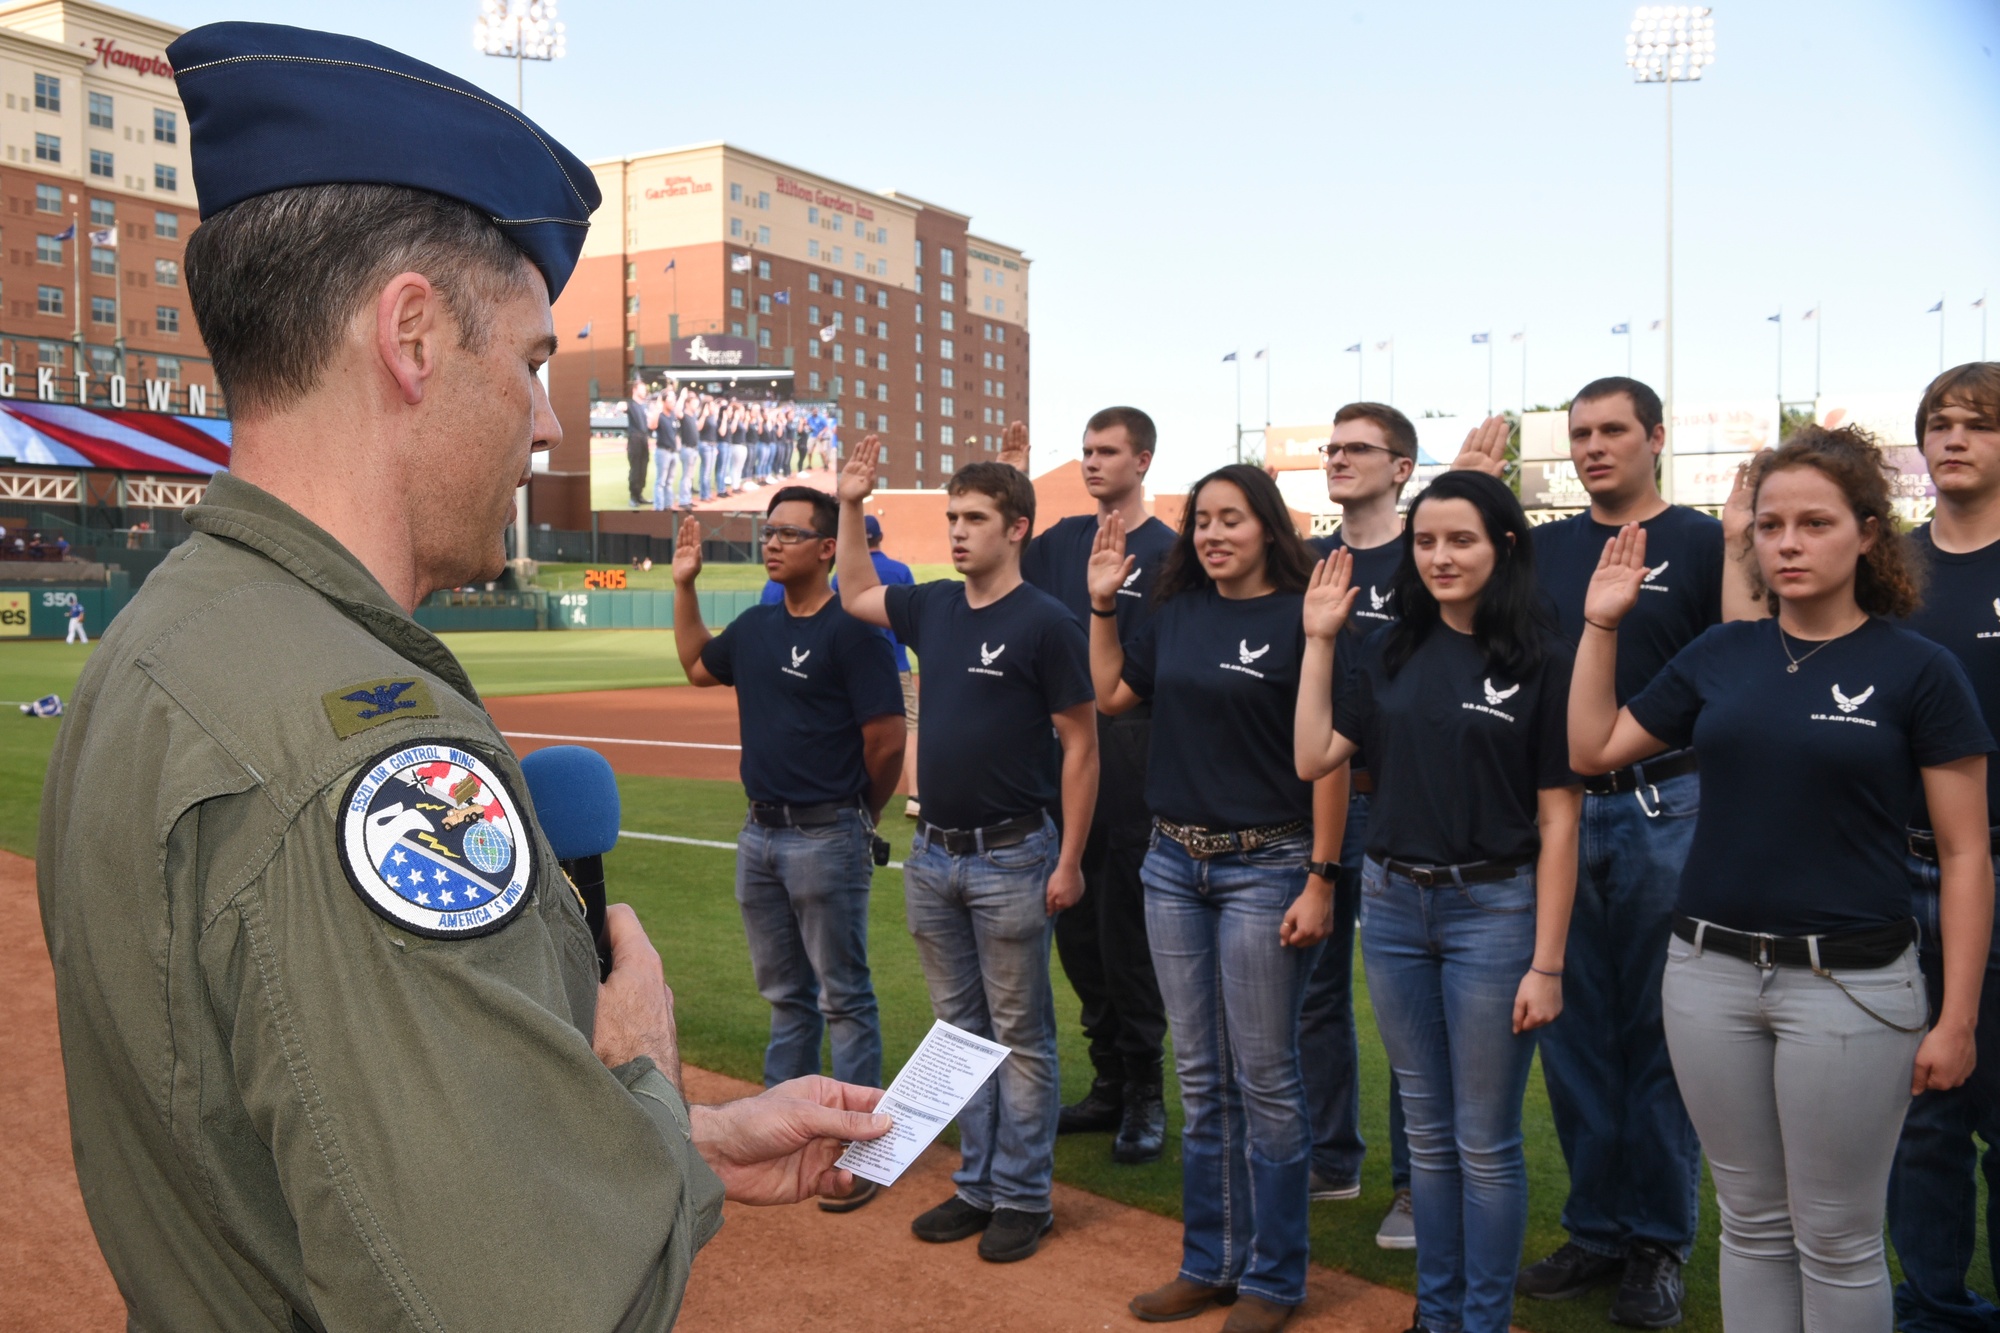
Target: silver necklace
1785	643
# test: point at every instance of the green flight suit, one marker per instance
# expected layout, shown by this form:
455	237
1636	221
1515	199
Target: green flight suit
287	1111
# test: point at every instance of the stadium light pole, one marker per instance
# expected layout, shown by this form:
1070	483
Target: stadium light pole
522	30
1670	44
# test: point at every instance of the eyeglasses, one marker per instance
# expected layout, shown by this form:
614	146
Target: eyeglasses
1355	451
787	535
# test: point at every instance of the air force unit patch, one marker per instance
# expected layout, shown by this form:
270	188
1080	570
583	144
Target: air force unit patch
432	839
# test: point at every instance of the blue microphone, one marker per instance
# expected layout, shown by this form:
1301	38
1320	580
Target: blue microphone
576	803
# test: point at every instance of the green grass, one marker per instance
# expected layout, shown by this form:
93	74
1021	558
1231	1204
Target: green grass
714	578
535	662
29	671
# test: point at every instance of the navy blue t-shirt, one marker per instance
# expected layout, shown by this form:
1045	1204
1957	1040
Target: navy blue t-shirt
1057	562
1681	597
1808	778
1962	612
993	676
1223	677
886	571
1459	752
1375	577
804	685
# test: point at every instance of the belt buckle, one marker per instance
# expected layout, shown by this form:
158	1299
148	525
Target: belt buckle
1202	845
1766	949
1423	876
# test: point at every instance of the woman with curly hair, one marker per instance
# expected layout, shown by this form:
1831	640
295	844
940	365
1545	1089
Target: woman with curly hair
1795	1009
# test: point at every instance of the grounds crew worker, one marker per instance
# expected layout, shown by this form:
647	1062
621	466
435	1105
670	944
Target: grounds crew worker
336	1050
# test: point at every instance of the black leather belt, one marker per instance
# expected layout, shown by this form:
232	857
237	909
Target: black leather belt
1202	843
1471	872
800	816
1360	782
1644	774
1923	844
969	841
1877	946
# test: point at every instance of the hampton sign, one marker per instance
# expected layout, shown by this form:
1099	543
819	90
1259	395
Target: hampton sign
50	387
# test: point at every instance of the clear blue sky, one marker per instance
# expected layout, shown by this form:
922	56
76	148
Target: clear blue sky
1192	179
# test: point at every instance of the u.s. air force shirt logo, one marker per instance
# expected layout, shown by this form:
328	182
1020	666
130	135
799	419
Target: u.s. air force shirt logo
432	839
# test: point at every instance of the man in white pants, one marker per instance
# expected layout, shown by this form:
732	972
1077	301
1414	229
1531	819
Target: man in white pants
76	631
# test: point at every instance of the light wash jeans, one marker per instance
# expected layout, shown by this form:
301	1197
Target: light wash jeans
982	928
686	489
1634	1161
666	464
707	452
1444	965
1799	1096
1233	994
804	897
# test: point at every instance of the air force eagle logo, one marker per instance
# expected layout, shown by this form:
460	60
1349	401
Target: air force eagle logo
432	839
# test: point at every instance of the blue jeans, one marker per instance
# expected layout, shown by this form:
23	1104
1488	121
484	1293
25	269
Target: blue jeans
1634	1160
665	463
1328	1047
804	897
1232	994
1933	1198
707	455
685	492
982	928
1444	965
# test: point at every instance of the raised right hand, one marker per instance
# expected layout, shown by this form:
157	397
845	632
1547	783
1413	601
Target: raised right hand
1109	566
857	477
687	552
1621	571
1330	595
1014	444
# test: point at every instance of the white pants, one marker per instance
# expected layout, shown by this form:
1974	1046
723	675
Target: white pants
76	634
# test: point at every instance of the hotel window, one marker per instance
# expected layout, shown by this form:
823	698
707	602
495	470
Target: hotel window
736	227
986	359
987	417
763	199
920	253
920	352
48	300
945	258
944	462
861	388
166	319
103	261
988	303
919	282
944	435
947	406
103	213
1000	307
48	92
920	460
839	287
103	361
166	178
812	347
168	368
763	337
882	394
812	283
812	252
839	320
882	301
839	354
999	360
861	293
944	319
836	254
631	271
48	250
103	310
920	430
763	265
48	199
48	148
763	305
100	163
945	348
100	111
735	298
859	265
881	360
838	223
945	378
736	328
51	354
812	217
166	126
631	305
812	315
999	416
920	371
947	292
764	237
812	381
920	400
839	386
735	192
883	457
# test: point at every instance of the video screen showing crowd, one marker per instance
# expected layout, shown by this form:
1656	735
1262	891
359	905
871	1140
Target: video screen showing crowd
699	446
1199	762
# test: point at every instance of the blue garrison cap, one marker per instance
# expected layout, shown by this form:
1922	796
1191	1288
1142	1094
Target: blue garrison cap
273	108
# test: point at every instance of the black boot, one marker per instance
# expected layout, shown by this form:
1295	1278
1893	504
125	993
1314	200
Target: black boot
1097	1112
1142	1132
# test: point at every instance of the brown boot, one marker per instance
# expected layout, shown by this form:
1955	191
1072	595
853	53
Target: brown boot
1179	1299
1254	1314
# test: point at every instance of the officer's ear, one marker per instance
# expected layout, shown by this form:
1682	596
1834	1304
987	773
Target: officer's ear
410	323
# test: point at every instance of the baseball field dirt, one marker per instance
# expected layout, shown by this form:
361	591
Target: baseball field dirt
769	1269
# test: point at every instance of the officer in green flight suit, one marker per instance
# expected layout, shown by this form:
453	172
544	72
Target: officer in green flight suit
337	1052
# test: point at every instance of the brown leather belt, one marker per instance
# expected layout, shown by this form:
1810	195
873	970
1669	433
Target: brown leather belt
1360	782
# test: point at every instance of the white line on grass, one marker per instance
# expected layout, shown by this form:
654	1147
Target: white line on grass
700	842
617	740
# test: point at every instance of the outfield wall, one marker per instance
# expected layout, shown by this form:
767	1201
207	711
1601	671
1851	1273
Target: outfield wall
453	612
43	613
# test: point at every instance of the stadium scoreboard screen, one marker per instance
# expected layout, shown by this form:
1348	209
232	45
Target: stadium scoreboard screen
605	580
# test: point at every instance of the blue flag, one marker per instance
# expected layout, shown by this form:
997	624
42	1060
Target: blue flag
1355	348
784	297
669	268
1230	357
1479	338
1621	328
1778	318
1936	309
586	329
69	233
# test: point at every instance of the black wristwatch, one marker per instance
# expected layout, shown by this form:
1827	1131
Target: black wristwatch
1326	870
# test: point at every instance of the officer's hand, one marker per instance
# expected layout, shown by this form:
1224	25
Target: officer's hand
635	1010
780	1146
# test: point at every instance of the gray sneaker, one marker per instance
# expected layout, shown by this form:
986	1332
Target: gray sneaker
1399	1225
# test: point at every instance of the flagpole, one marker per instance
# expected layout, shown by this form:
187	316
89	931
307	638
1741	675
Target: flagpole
1489	374
1819	337
1940	335
1267	404
1628	349
1360	371
1237	357
76	291
1524	374
1781	354
1392	370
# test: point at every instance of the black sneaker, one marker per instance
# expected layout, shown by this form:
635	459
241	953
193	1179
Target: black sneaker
954	1219
1569	1272
1098	1112
1650	1293
1014	1235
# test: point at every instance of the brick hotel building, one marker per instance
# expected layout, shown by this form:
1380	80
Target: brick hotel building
94	138
929	321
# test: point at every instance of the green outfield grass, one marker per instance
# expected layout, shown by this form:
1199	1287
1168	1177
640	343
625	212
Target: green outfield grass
684	893
714	578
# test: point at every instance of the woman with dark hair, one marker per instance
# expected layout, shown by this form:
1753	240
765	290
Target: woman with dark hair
1471	863
1239	879
1795	1007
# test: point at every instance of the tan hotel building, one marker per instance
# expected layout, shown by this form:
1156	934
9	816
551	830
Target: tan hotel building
928	341
94	137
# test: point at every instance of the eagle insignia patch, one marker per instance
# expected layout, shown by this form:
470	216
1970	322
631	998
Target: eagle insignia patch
432	839
355	708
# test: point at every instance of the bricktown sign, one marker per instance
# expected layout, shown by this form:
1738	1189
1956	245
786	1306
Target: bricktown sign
160	394
108	55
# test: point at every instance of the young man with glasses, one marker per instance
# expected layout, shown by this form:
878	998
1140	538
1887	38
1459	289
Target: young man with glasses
1009	731
821	713
1102	942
